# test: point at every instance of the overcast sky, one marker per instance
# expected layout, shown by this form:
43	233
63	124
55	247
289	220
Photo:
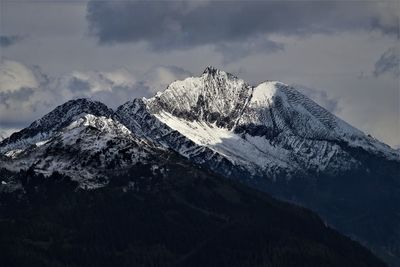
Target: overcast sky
343	54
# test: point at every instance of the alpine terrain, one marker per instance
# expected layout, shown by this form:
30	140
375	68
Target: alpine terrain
181	179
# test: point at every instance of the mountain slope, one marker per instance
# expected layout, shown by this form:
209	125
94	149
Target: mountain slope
136	116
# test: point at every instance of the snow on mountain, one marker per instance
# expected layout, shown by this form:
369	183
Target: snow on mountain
86	149
249	153
295	113
79	138
60	117
268	129
216	119
136	116
215	96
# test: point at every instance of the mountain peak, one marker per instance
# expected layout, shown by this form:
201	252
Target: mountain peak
55	120
214	72
210	70
71	109
83	102
216	96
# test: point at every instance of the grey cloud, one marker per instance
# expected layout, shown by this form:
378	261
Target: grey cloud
391	28
22	94
77	85
168	25
9	40
389	63
236	50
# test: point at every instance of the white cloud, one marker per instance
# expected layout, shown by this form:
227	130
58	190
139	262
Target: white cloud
14	76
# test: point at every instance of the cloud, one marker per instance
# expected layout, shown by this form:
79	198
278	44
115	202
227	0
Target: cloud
321	97
14	75
87	84
389	63
159	77
9	40
23	93
240	26
235	50
76	85
26	93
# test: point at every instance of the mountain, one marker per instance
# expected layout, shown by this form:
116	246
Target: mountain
269	136
268	129
80	139
60	117
277	140
174	215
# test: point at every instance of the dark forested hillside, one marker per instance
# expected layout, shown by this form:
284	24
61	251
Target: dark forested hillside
175	215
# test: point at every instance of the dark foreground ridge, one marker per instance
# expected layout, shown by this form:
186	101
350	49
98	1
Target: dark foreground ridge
177	215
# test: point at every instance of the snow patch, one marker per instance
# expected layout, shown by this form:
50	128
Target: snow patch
249	151
41	143
13	153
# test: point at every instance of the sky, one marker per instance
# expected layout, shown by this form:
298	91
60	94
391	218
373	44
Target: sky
342	54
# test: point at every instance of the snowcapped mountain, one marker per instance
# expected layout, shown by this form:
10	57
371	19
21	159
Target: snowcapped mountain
57	119
267	130
79	139
269	136
217	120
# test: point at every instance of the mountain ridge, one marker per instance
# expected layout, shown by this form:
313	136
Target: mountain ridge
216	117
